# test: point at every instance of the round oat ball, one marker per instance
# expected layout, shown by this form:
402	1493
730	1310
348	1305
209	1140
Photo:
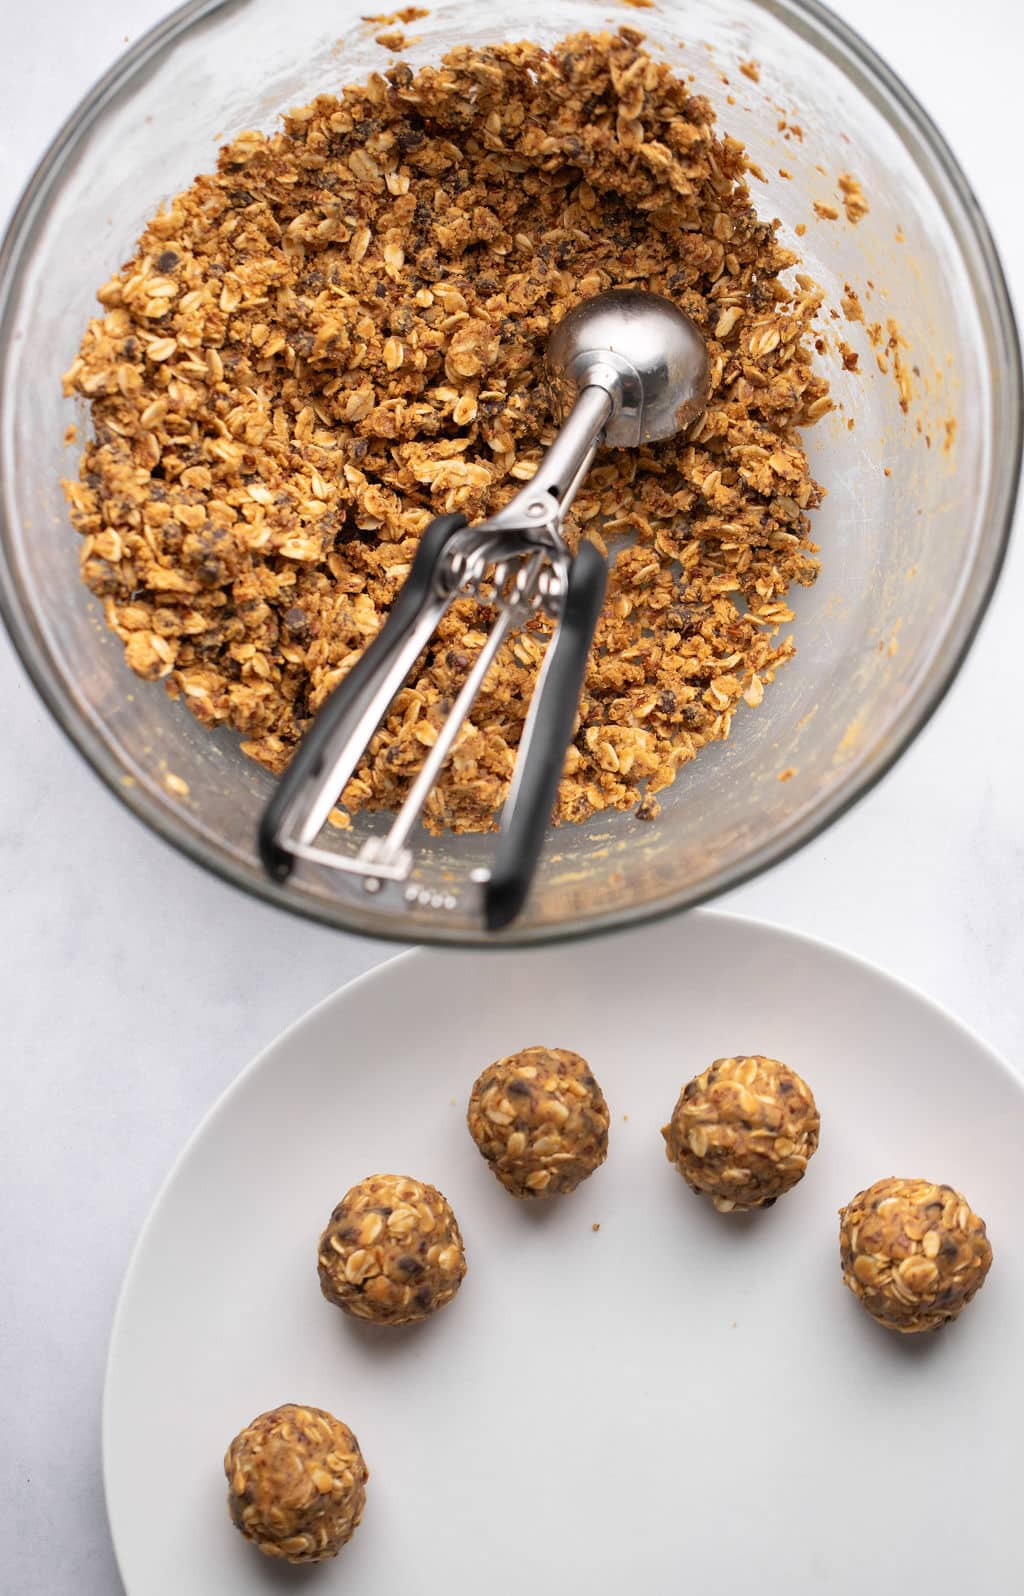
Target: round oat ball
296	1483
742	1132
912	1253
540	1120
392	1251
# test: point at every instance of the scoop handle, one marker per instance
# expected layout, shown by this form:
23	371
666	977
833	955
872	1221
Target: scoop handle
376	675
546	737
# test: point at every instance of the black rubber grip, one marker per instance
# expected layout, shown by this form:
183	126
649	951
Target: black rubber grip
521	841
351	696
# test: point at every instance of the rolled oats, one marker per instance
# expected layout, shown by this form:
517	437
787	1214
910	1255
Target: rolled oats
340	334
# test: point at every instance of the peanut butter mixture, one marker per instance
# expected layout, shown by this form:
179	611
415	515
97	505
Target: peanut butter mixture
340	334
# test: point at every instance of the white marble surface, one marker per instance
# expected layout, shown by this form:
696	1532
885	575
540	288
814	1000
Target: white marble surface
134	995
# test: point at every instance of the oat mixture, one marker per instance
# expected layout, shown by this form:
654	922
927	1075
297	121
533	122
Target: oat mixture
340	334
913	1253
296	1483
392	1251
742	1133
540	1120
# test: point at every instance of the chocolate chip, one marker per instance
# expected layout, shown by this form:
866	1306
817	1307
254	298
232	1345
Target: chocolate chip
683	619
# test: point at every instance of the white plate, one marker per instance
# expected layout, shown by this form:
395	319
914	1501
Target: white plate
681	1400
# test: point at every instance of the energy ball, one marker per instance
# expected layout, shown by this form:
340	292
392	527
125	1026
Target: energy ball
540	1120
296	1483
913	1254
392	1251
742	1132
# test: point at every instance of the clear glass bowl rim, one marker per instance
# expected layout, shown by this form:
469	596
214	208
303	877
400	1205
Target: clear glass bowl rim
841	44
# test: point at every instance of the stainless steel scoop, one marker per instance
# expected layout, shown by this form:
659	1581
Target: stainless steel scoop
625	368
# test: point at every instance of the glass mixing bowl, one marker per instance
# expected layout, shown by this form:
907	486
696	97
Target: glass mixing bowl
919	495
